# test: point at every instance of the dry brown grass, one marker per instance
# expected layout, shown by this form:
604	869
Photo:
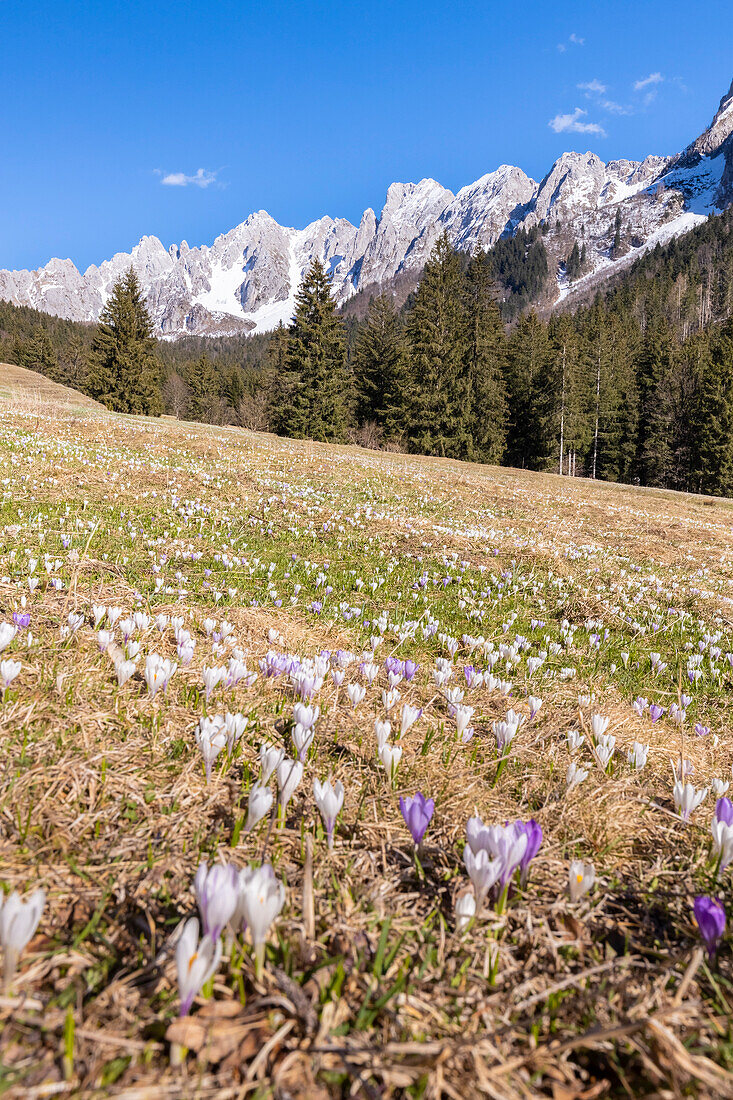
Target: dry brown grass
103	800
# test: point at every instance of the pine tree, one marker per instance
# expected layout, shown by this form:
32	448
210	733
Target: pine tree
533	438
37	353
654	444
380	369
440	409
315	398
616	247
712	459
572	264
571	421
123	371
204	382
486	407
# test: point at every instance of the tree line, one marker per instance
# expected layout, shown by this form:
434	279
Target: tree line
635	386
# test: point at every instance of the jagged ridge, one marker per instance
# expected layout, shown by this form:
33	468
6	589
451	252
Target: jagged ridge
246	280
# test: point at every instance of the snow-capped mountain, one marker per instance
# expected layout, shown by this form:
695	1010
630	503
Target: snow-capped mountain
247	279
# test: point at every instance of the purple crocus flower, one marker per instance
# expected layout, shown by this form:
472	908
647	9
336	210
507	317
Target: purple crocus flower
411	668
417	813
655	711
21	618
533	831
700	730
710	918
724	811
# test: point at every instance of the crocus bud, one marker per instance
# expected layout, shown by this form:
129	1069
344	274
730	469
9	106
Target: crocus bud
710	919
216	891
18	922
465	910
417	813
263	896
260	804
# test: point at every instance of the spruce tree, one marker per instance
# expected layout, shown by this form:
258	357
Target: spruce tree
712	465
532	375
315	399
123	371
380	369
37	353
438	338
486	404
204	382
572	264
654	452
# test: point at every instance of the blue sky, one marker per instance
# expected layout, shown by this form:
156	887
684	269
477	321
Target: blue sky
179	119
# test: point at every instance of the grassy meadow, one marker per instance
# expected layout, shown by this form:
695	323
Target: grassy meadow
429	594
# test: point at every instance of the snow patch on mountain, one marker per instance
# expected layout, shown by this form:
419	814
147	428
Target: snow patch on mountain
247	279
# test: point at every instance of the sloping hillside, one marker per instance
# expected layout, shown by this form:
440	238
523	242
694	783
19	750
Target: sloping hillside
535	652
29	388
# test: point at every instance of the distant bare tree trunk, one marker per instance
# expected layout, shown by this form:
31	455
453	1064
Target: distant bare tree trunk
176	396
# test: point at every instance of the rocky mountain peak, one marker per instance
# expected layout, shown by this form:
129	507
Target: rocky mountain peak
247	278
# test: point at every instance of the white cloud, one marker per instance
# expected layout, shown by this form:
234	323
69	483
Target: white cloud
202	178
653	78
593	87
564	124
574	40
614	108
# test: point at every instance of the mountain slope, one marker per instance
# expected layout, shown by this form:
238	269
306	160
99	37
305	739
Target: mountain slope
247	279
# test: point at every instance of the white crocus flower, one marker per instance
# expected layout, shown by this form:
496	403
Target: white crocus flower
356	693
302	739
217	890
605	747
8	672
124	670
483	872
719	786
104	638
463	715
534	703
263	896
235	725
305	715
212	677
211	739
7	633
575	775
289	774
269	759
582	878
722	842
574	739
637	755
382	729
408	718
195	962
506	730
390	755
329	800
19	918
598	725
465	910
389	698
98	611
687	798
260	804
157	673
